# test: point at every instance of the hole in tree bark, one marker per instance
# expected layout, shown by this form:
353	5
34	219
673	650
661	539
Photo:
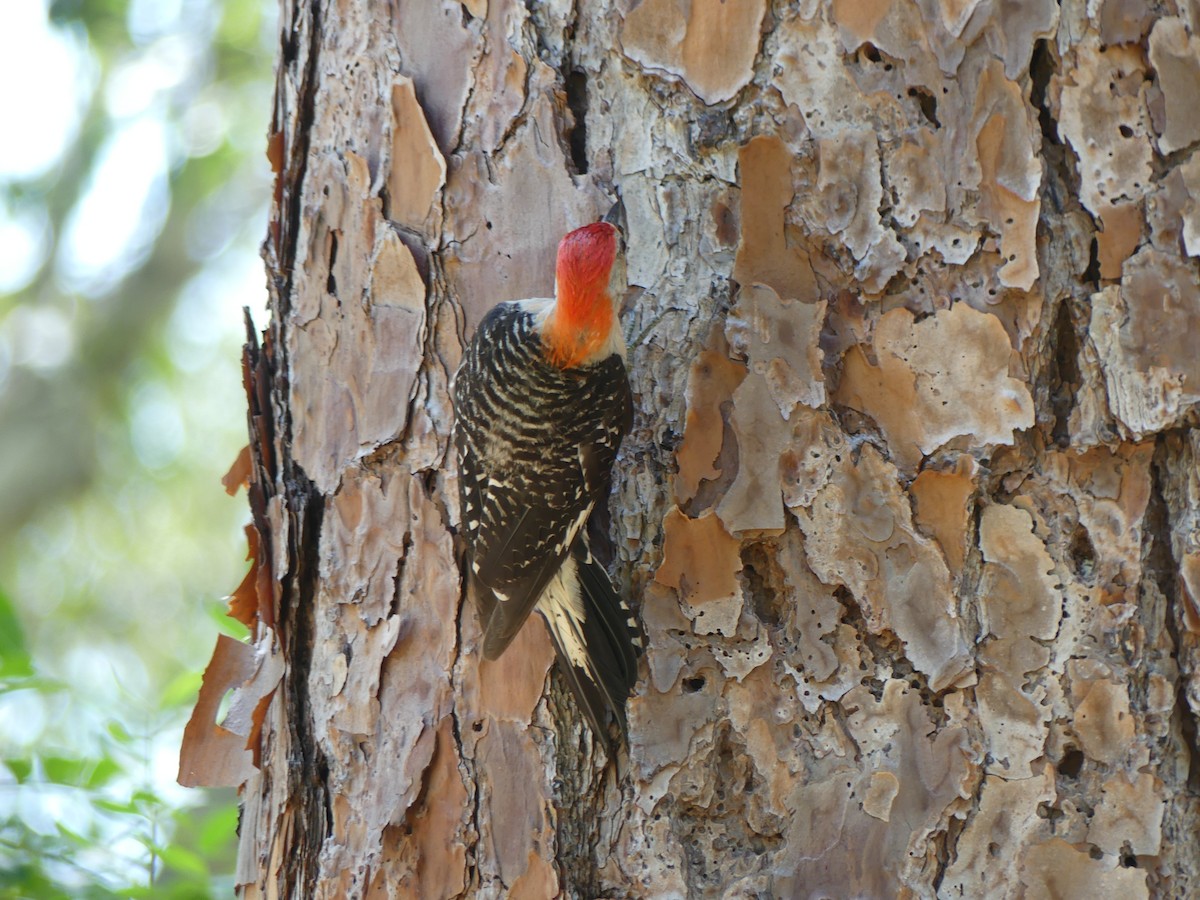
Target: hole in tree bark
1083	554
1071	764
577	102
1041	66
928	104
331	282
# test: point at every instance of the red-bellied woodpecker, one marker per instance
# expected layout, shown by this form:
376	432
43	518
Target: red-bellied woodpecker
542	402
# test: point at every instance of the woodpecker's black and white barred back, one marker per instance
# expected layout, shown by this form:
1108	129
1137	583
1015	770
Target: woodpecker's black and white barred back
542	402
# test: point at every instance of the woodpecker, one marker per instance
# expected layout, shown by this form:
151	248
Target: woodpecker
542	401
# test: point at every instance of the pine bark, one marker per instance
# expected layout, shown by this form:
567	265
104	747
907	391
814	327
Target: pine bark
910	508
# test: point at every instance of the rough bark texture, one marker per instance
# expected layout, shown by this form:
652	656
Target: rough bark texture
911	506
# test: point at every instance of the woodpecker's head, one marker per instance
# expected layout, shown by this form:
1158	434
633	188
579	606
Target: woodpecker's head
589	282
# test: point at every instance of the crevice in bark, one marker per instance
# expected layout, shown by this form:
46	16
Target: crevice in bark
308	770
577	101
1042	65
331	279
1064	376
882	652
1161	567
577	794
1055	351
1071	764
308	809
466	765
394	606
292	176
709	128
763	582
1181	744
1091	275
1060	183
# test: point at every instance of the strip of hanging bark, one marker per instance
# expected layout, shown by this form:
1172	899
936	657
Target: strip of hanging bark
243	603
211	755
238	475
226	753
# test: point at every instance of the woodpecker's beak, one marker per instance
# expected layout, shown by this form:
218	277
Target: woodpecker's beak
616	216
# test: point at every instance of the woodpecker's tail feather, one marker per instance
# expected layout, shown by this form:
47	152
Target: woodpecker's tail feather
597	639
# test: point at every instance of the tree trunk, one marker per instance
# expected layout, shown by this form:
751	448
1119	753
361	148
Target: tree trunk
910	510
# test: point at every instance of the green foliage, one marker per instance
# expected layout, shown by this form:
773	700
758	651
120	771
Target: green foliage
120	409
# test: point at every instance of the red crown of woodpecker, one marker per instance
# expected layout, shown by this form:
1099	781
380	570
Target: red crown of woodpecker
583	312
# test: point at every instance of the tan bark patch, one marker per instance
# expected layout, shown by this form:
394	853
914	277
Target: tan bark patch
511	799
1144	332
932	774
765	252
1020	609
753	505
367	336
539	880
913	172
1010	174
438	825
990	847
510	687
418	171
701	561
1189	173
1103	721
506	212
440	51
1129	812
1175	55
780	340
1057	869
1103	115
710	44
880	795
943	507
859	533
849	193
711	383
1119	237
923	396
662	728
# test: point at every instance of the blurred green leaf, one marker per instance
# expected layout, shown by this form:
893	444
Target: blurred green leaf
119	733
219	613
183	860
216	828
146	798
15	661
116	806
89	773
71	835
181	691
21	769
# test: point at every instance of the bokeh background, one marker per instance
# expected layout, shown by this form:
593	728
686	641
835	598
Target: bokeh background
133	190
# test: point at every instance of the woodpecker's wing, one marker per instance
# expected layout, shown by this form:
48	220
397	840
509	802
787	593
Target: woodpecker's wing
536	445
524	530
596	637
